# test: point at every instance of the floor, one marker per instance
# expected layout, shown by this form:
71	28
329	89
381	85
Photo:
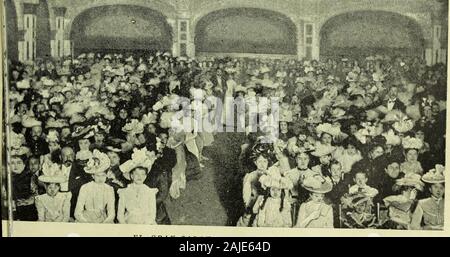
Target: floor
215	198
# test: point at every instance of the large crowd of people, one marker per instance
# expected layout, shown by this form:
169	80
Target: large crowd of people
359	143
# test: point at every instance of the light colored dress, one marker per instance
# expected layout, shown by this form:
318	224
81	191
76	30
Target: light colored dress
96	204
53	209
137	205
270	215
430	213
325	219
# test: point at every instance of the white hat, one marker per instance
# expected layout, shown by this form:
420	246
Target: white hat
134	127
317	184
403	125
52	173
322	150
29	122
435	176
23	84
140	158
333	130
149	118
391	138
412	143
98	163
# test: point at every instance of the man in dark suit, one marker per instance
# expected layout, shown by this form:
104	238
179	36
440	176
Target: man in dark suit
160	177
77	177
392	102
219	82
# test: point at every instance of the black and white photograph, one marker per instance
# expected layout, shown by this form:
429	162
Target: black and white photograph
294	114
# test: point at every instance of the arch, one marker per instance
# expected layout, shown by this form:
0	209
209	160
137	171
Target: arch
282	7
246	30
394	33
76	8
147	29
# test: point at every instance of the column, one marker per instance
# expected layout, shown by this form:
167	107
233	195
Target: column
185	45
27	33
58	47
301	53
175	46
308	43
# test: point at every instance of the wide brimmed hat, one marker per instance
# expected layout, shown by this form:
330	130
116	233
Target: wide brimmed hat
435	176
333	130
149	118
60	123
317	184
98	163
29	122
17	143
322	150
140	158
412	143
391	138
83	132
404	125
52	173
412	180
134	127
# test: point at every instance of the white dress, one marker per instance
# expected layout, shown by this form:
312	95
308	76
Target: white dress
96	204
53	209
137	205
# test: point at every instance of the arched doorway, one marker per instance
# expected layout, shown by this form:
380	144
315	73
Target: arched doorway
365	33
246	30
120	28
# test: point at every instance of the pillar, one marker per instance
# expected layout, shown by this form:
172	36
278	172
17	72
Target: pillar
27	33
310	41
301	53
185	37
58	46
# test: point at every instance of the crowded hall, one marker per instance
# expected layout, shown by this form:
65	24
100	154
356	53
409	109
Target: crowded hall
293	114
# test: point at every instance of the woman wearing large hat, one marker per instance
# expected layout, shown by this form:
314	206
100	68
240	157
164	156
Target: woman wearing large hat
315	213
137	202
53	206
96	201
429	213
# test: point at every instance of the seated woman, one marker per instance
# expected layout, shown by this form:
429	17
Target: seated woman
429	213
315	213
137	202
411	148
251	188
53	206
96	201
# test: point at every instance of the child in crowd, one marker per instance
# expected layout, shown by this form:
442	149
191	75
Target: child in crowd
361	186
53	206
